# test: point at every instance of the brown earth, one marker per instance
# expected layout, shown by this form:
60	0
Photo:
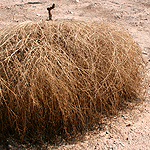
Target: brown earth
131	128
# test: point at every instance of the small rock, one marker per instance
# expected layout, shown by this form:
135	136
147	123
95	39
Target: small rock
69	12
7	7
145	53
15	20
128	125
117	17
122	144
103	134
76	1
110	137
38	15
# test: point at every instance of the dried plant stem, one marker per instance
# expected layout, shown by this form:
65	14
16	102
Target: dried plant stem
49	11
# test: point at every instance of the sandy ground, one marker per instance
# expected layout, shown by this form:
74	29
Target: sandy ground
128	130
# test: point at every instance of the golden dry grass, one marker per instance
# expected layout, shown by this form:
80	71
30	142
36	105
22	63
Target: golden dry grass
63	76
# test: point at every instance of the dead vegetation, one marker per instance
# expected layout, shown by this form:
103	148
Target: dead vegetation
63	76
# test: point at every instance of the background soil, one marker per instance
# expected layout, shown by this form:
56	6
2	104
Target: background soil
129	129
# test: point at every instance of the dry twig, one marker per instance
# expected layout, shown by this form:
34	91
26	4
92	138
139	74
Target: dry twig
49	11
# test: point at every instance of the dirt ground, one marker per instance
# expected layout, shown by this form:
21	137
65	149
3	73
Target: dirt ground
129	129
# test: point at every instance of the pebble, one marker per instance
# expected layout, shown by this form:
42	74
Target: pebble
128	125
117	17
7	7
145	53
69	12
103	134
77	1
38	15
122	144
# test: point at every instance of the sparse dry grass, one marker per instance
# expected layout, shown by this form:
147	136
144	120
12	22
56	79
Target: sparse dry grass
63	76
